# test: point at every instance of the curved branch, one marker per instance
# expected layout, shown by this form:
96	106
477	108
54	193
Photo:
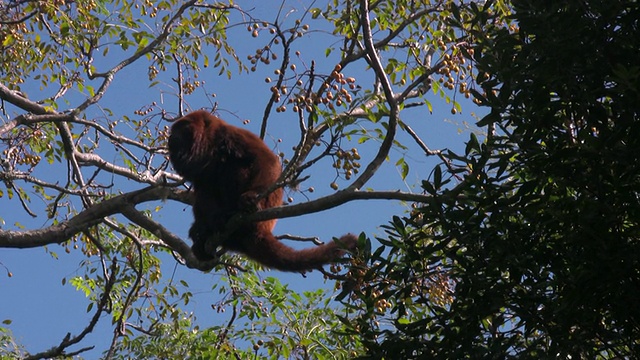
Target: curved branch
40	115
18	99
60	233
334	200
173	241
97	161
376	65
123	204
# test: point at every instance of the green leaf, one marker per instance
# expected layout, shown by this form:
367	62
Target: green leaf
404	168
437	177
327	52
472	145
315	12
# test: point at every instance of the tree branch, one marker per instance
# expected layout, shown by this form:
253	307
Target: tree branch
336	199
60	233
374	62
174	242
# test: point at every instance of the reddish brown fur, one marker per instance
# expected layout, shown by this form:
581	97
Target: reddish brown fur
228	168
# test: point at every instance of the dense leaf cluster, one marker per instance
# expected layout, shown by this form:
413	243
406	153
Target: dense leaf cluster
541	237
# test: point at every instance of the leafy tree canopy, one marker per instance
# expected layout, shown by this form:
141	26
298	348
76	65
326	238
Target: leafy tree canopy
540	239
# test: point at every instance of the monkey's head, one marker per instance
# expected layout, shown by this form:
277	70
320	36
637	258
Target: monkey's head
191	143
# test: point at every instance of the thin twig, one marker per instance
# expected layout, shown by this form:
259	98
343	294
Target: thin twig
68	340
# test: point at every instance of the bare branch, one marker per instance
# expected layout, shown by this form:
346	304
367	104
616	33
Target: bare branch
286	45
77	159
118	139
374	62
16	98
313	239
418	141
133	293
334	200
169	238
22	201
180	82
60	233
146	177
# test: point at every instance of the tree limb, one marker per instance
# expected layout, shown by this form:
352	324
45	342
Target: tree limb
374	62
60	233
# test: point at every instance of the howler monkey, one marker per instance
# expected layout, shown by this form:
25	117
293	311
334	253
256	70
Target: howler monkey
229	168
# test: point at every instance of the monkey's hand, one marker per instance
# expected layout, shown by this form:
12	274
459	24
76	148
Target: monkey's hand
249	201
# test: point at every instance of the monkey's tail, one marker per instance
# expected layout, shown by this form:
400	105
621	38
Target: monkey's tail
271	252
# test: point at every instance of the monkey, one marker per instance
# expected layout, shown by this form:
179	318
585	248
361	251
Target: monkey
230	170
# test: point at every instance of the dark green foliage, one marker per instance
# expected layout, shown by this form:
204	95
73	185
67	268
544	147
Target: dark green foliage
541	238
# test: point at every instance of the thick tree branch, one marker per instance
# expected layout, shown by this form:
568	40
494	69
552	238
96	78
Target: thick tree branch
334	200
18	99
174	242
60	233
376	65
